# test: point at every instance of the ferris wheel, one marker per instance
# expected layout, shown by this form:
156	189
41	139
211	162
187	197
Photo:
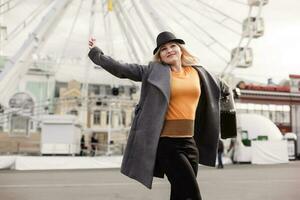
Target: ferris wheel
215	30
51	35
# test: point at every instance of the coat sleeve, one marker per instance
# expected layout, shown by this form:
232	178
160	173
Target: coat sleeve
133	72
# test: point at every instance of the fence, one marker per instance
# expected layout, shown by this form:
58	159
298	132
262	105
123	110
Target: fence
34	149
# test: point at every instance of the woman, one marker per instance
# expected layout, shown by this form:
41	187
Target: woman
177	120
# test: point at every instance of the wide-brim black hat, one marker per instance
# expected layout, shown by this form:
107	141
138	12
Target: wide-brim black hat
165	37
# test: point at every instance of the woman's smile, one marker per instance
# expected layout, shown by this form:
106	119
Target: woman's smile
171	54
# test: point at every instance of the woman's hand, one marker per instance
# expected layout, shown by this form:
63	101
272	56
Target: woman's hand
92	42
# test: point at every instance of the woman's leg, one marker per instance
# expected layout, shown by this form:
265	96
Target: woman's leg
182	176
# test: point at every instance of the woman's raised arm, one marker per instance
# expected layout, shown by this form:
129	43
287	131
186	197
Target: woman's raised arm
134	72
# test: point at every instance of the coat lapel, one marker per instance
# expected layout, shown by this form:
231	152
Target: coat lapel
205	76
160	77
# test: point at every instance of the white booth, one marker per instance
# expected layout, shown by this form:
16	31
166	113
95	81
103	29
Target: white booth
259	141
60	135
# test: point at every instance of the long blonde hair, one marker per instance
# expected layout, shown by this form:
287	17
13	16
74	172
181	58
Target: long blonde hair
187	59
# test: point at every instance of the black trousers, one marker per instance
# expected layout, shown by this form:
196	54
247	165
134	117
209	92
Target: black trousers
178	157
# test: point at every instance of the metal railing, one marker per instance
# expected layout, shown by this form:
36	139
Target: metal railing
19	147
34	148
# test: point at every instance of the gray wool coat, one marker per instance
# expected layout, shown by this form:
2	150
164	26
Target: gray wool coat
140	153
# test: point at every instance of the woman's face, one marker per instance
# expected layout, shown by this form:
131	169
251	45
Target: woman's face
170	53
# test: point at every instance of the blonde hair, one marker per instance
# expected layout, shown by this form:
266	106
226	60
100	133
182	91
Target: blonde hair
187	59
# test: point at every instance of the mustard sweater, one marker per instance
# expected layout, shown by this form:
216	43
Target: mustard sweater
185	94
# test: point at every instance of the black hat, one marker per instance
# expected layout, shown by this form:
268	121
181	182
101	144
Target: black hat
165	37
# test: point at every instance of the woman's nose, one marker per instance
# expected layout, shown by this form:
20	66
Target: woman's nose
169	50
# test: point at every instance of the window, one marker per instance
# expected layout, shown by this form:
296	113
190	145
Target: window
19	125
107	90
107	117
278	114
31	125
97	117
272	113
251	108
241	107
123	118
286	118
94	89
102	90
74	112
258	109
265	110
245	138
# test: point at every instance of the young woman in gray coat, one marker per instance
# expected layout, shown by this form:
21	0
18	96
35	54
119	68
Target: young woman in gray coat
177	120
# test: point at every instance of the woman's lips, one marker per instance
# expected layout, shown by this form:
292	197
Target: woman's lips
171	55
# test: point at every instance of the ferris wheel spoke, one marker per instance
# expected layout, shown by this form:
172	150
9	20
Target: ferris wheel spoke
105	15
156	17
128	36
219	22
201	28
199	39
132	27
219	11
239	2
68	39
145	23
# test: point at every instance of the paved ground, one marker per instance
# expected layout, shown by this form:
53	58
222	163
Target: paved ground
235	182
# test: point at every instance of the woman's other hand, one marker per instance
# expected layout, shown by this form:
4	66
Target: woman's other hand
92	42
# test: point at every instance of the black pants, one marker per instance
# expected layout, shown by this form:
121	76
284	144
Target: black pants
178	157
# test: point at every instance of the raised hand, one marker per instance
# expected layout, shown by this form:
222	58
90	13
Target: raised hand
92	42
